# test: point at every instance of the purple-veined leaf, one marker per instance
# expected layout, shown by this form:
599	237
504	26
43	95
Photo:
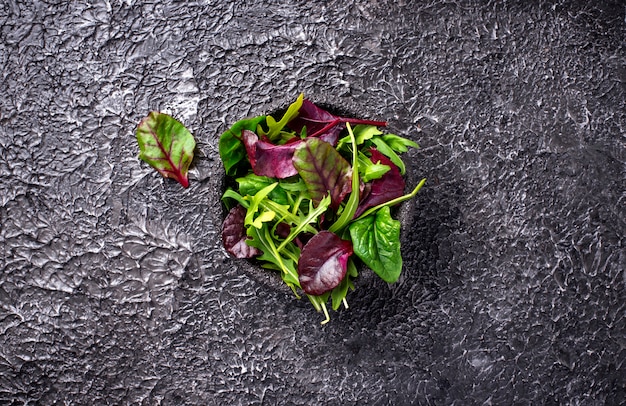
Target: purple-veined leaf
386	188
234	234
166	145
267	159
320	123
323	262
323	170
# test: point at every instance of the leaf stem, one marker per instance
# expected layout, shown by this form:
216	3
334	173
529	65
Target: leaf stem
353	200
357	121
394	201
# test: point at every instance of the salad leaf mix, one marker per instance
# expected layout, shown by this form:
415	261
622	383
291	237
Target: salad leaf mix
310	195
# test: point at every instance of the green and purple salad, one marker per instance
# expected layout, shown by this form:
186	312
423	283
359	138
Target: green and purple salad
310	195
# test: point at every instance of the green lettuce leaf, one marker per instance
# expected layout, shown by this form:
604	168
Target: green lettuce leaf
376	240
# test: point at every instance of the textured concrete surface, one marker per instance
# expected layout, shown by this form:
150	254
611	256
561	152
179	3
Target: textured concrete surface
114	288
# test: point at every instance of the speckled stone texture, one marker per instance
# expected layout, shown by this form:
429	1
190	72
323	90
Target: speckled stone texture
114	288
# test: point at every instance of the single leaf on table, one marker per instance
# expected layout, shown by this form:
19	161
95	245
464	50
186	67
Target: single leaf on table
166	145
231	148
234	234
323	262
324	171
267	159
387	187
376	240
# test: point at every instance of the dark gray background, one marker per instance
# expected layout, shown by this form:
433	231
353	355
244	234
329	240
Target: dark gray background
114	288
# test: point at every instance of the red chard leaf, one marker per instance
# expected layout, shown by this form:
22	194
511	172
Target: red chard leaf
386	188
323	263
166	145
234	234
320	123
267	159
323	169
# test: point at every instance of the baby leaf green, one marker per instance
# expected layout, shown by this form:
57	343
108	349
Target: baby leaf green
231	148
275	128
324	171
397	143
389	152
166	145
376	240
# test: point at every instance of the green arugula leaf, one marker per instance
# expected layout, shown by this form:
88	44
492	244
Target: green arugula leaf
362	133
231	148
312	217
166	145
255	201
283	213
397	143
353	201
229	195
370	170
263	218
251	184
338	294
385	149
275	128
262	239
376	240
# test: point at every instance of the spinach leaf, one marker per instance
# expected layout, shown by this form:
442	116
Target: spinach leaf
376	240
